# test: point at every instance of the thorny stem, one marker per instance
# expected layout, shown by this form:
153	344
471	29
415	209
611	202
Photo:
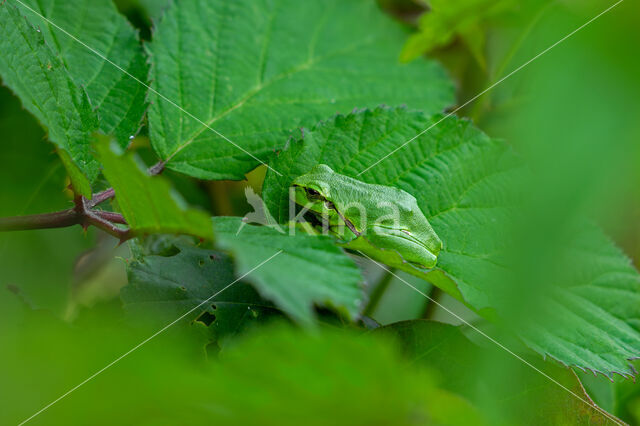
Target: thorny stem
60	219
82	214
108	194
87	217
101	197
111	216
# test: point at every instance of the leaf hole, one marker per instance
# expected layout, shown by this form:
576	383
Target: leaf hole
206	318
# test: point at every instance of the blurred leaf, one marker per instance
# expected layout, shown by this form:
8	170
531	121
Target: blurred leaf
263	68
314	378
448	19
625	394
148	203
33	71
593	313
163	288
466	183
303	270
496	380
118	98
331	377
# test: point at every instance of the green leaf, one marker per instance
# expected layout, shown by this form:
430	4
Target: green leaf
33	72
325	377
299	271
148	203
118	97
256	70
531	399
163	288
465	183
330	377
448	19
153	9
591	317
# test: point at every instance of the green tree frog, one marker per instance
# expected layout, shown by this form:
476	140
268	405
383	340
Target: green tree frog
387	218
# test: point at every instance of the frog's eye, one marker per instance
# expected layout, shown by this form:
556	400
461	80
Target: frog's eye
312	193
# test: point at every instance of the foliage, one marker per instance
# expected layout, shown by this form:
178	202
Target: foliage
148	203
299	63
38	76
163	287
470	199
445	349
221	88
305	270
112	78
447	19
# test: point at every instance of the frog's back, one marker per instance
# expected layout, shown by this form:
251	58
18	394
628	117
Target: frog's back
354	189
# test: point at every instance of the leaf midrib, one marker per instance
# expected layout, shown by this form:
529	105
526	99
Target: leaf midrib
256	90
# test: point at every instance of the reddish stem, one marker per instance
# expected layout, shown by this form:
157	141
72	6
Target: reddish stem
82	214
61	219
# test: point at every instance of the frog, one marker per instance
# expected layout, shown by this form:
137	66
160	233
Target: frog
358	215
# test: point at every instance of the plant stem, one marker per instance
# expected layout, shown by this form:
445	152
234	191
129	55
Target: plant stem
101	197
61	219
376	294
431	306
82	214
111	216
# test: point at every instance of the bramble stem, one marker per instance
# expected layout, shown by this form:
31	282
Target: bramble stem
111	216
61	219
101	197
82	214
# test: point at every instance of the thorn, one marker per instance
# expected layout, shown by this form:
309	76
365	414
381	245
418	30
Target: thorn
125	236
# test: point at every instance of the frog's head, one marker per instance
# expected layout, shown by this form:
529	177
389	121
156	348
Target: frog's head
312	190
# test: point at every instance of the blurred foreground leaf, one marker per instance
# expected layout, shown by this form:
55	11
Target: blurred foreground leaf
263	68
494	379
282	376
330	377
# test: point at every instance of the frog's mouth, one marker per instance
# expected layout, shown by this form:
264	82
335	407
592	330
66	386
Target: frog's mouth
404	235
